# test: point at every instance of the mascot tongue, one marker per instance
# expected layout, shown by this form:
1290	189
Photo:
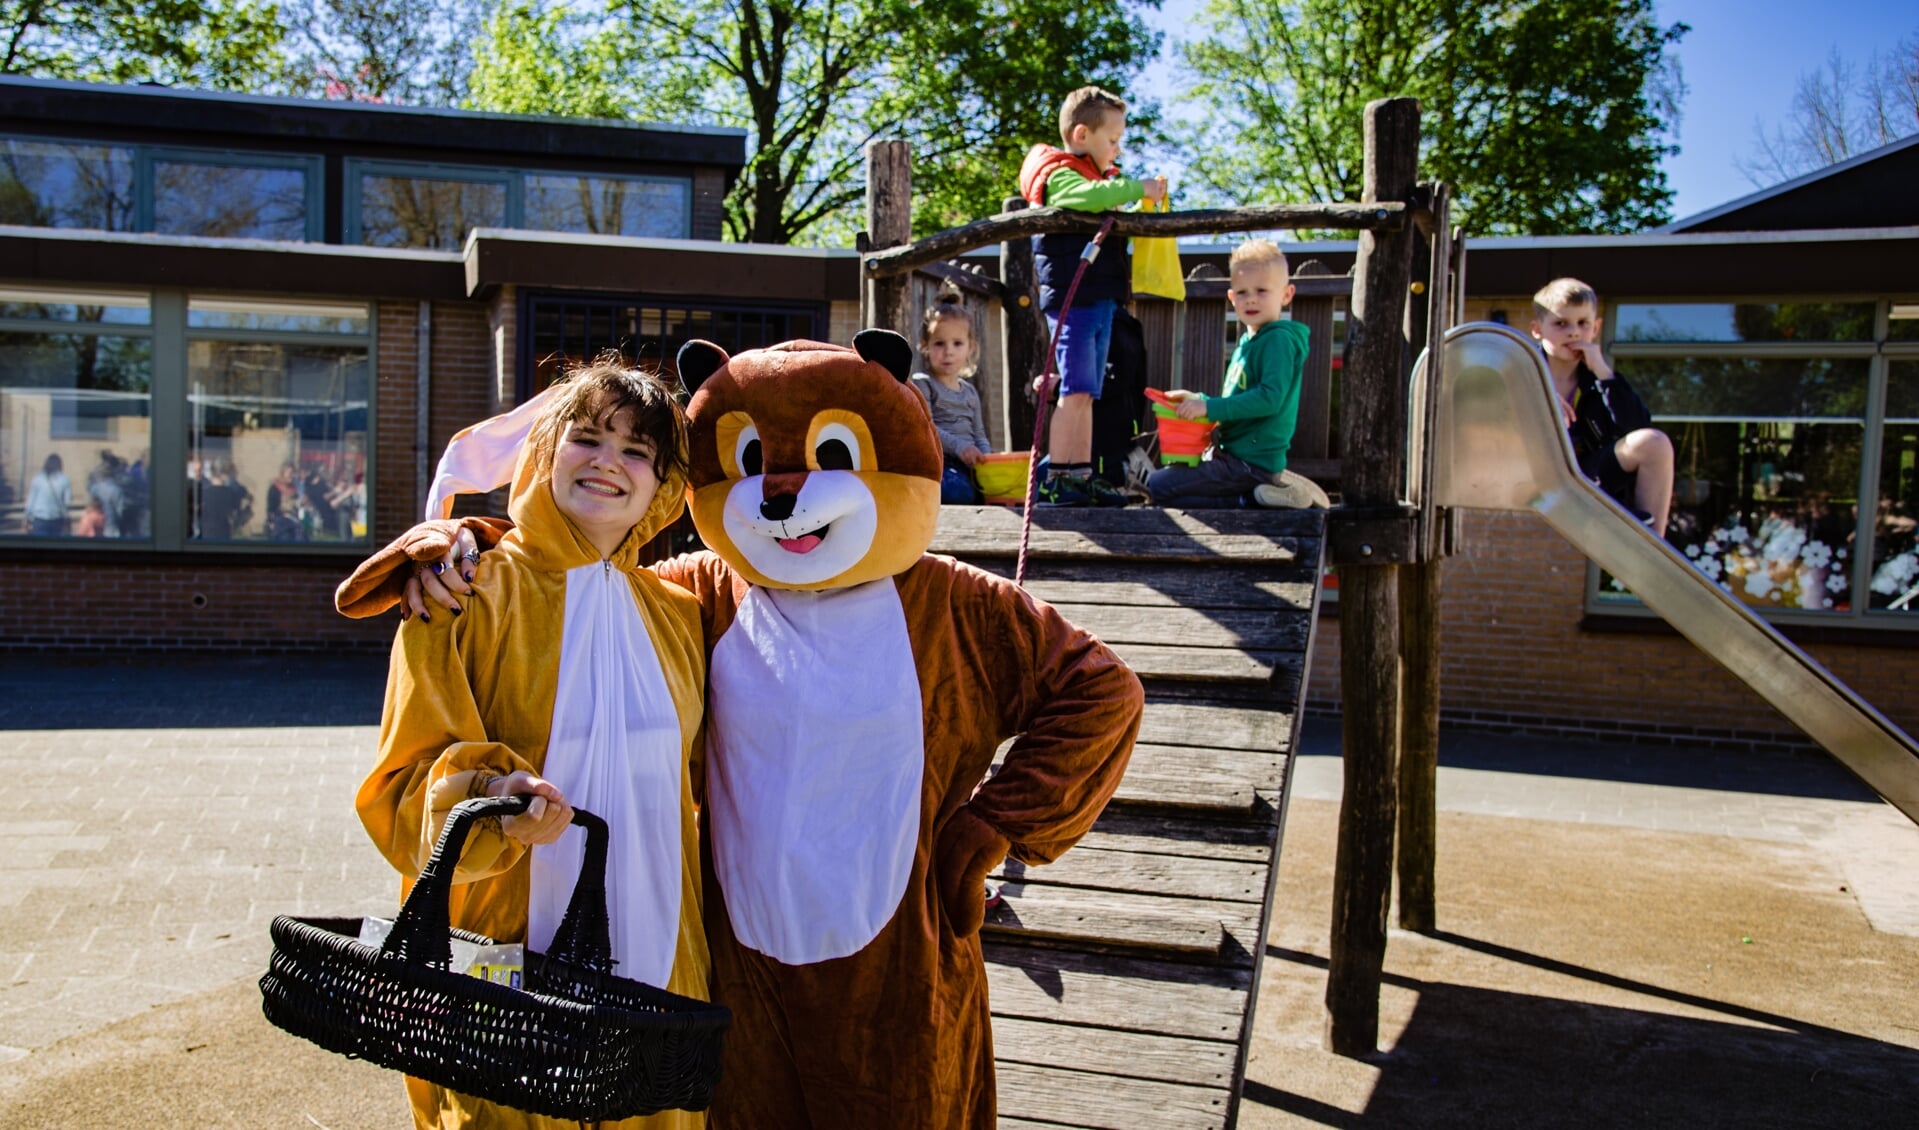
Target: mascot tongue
805	544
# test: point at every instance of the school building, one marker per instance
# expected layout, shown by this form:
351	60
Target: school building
235	333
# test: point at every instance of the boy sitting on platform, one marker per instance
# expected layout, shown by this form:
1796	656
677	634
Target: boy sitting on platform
1085	177
1259	408
1612	434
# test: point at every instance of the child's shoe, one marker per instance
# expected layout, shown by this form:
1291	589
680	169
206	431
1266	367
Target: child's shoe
1291	491
1064	490
1104	493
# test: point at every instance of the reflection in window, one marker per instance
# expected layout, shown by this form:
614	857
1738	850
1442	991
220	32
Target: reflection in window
1904	322
278	441
293	317
1744	321
421	212
1894	584
608	205
229	201
1765	498
74	435
50	184
127	308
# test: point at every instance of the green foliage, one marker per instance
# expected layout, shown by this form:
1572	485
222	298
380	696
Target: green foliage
1004	66
1545	117
407	51
222	44
530	61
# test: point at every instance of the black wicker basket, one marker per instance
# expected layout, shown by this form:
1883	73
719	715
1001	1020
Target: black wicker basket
577	1042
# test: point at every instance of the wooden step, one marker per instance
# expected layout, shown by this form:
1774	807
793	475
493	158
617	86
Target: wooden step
1151	584
1164	535
1126	920
1140	1055
1183	876
1129	994
1108	1102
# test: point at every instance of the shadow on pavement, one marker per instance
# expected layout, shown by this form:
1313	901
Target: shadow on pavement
1629	760
197	690
1484	1057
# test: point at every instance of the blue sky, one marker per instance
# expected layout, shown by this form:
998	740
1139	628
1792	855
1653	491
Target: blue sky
1742	59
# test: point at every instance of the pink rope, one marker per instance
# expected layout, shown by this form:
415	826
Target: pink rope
1048	380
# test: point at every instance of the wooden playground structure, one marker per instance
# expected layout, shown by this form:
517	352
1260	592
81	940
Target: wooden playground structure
1124	976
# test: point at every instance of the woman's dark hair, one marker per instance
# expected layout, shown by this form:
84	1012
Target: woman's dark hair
597	392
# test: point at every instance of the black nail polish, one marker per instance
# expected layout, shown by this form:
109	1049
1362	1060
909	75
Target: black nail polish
427	616
468	577
439	567
457	610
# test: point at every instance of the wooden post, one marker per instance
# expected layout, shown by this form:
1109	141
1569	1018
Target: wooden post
1372	454
1023	335
1427	323
884	302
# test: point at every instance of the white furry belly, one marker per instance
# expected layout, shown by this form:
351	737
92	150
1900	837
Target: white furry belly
816	748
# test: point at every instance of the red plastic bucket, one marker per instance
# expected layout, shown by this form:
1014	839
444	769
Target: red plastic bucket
1180	441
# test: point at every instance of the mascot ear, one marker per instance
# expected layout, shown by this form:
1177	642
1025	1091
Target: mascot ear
886	349
697	361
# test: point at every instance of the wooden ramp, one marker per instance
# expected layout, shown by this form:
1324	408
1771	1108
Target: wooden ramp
1123	976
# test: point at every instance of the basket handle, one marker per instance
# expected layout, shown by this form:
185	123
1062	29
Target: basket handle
420	930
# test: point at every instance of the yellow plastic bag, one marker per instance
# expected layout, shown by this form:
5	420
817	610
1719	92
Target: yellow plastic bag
1156	262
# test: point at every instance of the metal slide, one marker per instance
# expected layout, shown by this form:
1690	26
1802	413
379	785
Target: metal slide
1499	445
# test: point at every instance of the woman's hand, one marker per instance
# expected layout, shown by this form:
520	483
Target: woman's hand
442	582
544	819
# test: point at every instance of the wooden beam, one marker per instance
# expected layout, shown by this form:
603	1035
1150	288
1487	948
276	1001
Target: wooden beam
1367	215
1373	437
884	300
1023	337
974	282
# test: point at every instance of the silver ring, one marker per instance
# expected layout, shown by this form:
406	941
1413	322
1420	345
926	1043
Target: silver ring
471	557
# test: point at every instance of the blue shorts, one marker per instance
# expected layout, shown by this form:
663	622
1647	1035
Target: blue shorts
1083	345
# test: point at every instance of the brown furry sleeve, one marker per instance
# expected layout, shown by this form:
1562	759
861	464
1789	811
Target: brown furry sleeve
380	580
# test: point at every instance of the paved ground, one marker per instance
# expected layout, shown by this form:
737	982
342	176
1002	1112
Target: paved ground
1629	936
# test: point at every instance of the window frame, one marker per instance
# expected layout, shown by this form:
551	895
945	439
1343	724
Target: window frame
311	166
1879	353
169	418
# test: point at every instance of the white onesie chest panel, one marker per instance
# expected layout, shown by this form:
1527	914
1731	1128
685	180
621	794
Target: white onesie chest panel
614	751
816	747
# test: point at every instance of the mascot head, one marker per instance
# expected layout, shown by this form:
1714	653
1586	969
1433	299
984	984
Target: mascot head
814	466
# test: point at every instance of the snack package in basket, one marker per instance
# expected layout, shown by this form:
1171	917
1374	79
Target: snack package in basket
500	964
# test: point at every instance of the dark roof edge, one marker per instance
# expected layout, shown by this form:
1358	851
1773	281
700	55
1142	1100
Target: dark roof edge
1780	189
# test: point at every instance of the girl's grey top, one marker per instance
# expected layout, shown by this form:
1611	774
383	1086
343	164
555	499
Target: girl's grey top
957	413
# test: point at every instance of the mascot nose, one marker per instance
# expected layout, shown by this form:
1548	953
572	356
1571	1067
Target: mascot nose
780	493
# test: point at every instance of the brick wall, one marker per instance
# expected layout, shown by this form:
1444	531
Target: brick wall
395	493
183	607
1512	653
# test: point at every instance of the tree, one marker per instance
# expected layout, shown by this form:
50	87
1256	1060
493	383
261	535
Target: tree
222	44
1545	117
1838	111
530	60
971	83
409	51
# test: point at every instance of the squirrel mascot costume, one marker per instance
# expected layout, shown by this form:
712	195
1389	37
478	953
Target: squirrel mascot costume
858	688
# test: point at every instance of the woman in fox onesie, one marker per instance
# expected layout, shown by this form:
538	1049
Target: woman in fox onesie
858	688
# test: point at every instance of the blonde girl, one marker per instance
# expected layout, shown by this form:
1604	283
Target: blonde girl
949	348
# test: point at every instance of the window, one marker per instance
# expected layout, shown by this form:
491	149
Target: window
277	432
609	205
260	409
1773	411
75	184
75	376
51	184
565	330
392	204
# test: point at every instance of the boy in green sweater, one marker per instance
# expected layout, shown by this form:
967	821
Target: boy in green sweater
1259	408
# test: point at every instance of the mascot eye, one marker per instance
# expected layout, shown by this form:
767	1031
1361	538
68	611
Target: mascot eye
836	449
746	451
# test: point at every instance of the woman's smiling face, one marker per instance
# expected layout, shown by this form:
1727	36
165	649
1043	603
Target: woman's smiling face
603	478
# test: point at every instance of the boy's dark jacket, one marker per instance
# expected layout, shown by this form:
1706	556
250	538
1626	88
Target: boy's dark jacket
1056	257
1604	412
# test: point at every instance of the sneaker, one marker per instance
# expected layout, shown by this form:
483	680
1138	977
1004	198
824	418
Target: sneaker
993	898
1292	492
1064	490
1104	493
